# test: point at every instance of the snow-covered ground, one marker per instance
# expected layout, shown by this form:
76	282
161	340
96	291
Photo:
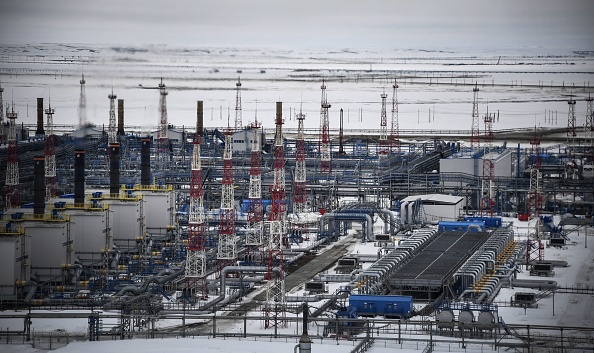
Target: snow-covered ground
525	86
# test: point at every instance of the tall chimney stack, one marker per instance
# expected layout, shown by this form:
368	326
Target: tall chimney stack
121	117
145	161
200	115
79	177
39	185
114	168
40	130
279	113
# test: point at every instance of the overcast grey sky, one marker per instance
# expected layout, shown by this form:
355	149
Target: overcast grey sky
431	24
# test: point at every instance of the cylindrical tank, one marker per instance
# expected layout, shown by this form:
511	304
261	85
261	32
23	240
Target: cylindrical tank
466	317
79	176
39	185
445	318
486	319
114	168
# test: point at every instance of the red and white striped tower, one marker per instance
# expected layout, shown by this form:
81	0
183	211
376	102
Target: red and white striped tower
255	235
300	185
275	293
384	144
196	259
475	138
12	165
324	139
238	112
395	130
227	251
162	160
487	204
50	155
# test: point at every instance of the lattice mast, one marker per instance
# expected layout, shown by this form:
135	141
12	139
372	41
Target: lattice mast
487	203
300	188
238	111
50	155
226	251
324	139
112	137
275	292
534	246
162	133
395	128
475	138
1	114
12	165
384	144
196	261
588	127
255	235
534	195
82	103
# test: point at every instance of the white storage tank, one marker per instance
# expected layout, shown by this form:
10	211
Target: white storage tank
158	207
51	246
89	229
125	220
14	261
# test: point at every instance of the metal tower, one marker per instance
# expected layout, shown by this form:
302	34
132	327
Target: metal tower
111	130
571	120
395	130
12	165
487	204
238	117
196	259
324	139
1	115
227	251
534	247
255	235
571	165
534	196
384	144
275	293
300	186
162	134
475	139
82	104
588	126
50	155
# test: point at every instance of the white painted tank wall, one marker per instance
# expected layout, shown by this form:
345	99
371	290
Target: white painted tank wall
11	248
503	165
48	247
436	213
124	219
158	209
87	228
